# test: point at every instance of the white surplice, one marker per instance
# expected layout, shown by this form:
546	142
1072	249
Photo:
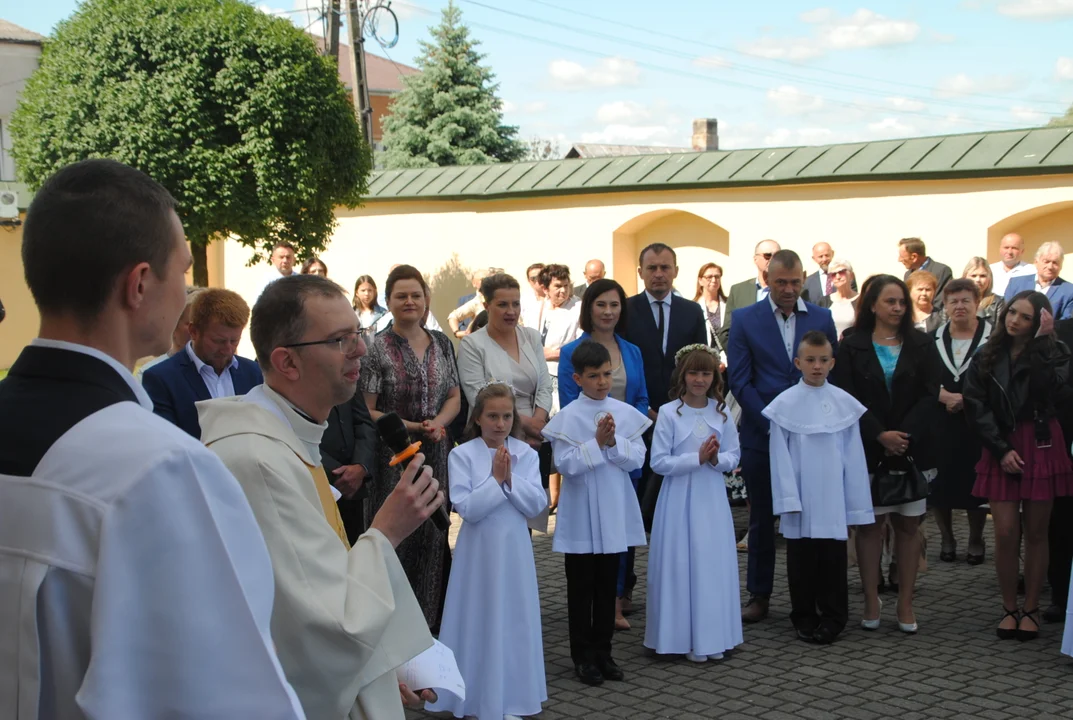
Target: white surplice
1067	636
134	581
598	509
819	476
344	619
491	618
694	602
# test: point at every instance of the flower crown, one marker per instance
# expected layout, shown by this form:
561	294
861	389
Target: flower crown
690	348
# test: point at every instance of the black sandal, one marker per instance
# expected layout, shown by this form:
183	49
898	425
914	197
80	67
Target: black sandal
1024	635
1009	633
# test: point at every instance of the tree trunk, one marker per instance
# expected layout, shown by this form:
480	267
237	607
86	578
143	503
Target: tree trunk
201	264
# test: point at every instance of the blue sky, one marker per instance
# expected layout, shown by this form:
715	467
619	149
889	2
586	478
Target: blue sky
773	72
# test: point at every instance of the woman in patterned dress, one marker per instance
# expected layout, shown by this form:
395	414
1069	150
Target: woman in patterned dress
411	371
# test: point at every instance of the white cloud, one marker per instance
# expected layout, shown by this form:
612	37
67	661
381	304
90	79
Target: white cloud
607	72
534	108
1027	114
620	134
508	106
906	104
303	13
712	61
1036	9
623	111
891	127
831	31
962	84
788	100
1063	69
785	137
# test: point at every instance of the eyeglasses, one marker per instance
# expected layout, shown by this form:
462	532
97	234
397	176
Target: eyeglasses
711	278
766	256
840	272
347	344
534	278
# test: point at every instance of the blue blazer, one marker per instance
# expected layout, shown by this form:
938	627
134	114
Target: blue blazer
636	389
758	365
175	385
1060	294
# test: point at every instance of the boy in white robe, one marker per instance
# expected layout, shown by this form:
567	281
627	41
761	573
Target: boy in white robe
345	618
819	487
596	442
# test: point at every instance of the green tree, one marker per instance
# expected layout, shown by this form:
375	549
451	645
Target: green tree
232	110
1064	121
449	114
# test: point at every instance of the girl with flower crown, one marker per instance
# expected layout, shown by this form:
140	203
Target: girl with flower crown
694	607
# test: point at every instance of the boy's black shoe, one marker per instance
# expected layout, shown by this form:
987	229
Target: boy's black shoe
823	635
609	669
589	674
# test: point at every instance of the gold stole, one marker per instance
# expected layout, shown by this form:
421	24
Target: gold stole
327	502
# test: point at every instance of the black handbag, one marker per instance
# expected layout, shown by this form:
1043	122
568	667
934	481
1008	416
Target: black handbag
898	481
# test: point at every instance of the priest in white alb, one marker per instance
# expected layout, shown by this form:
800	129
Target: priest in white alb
345	617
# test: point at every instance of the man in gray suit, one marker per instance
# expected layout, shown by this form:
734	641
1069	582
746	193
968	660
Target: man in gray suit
594	270
914	256
749	291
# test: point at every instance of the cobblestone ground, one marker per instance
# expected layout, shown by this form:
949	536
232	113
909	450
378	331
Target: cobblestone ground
954	668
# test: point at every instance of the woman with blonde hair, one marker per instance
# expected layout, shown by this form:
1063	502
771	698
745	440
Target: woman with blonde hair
843	301
991	304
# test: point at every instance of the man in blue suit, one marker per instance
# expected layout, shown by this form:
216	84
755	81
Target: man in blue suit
763	341
1049	259
207	367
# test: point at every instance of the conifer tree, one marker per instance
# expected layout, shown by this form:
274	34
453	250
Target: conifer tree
449	114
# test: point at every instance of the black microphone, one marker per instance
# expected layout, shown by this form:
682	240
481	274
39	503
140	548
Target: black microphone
393	432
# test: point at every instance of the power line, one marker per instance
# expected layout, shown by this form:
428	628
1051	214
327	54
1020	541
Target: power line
677	72
710	46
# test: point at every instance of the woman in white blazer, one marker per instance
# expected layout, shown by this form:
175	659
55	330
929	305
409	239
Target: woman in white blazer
506	352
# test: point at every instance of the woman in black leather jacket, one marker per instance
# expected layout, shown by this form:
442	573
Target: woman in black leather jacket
1009	400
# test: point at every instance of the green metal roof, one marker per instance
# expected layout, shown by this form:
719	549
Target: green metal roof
1036	151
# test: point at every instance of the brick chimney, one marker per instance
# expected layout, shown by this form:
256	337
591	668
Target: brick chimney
705	134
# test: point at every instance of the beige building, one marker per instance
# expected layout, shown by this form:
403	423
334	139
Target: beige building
960	193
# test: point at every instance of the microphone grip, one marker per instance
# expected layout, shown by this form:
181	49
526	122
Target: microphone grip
440	518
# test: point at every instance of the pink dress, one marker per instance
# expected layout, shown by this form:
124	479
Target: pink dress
1047	474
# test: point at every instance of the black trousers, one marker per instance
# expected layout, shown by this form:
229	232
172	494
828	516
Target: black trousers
819	590
1060	544
590	601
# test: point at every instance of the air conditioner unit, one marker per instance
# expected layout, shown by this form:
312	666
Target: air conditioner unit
9	204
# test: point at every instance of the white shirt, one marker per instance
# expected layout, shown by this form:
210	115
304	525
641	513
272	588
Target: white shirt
1045	289
1002	275
532	311
654	304
219	385
787	325
762	292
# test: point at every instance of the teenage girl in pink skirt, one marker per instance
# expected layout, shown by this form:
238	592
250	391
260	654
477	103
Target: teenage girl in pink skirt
1009	399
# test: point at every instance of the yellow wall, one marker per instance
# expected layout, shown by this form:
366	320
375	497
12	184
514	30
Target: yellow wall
21	324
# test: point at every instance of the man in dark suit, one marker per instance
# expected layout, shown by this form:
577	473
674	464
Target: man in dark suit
1049	259
750	291
1060	533
820	284
348	453
762	346
594	270
914	256
207	367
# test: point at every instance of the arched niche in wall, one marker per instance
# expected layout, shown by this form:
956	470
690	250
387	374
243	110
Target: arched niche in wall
1038	225
695	240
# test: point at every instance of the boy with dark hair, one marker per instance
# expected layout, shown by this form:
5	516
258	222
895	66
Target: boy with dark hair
596	441
819	487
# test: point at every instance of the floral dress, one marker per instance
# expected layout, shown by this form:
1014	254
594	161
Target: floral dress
415	388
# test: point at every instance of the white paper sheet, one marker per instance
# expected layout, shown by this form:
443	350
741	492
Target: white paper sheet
433	669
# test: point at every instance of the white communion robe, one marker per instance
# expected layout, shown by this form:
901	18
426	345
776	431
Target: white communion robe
694	599
344	619
134	582
598	509
491	618
1067	636
819	476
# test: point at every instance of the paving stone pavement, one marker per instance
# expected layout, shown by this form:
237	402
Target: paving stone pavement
954	667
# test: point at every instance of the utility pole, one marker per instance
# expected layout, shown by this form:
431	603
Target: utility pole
333	30
359	84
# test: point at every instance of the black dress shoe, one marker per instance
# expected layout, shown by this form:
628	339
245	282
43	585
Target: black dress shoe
589	674
609	670
805	635
823	635
949	555
1026	635
1055	613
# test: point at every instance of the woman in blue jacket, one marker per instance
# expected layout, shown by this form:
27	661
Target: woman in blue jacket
603	319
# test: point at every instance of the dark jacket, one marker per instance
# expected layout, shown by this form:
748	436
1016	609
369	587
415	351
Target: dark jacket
686	328
175	385
350	439
910	405
997	400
